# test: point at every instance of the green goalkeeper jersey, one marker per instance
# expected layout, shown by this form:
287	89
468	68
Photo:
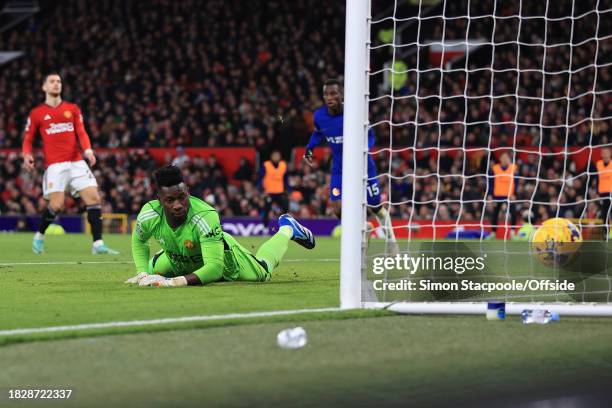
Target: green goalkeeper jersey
197	246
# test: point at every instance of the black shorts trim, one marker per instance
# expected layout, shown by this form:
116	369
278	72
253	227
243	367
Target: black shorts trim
155	258
262	263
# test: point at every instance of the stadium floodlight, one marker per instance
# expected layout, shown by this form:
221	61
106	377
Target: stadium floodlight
449	87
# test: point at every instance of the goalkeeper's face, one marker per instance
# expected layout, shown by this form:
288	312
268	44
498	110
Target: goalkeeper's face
175	201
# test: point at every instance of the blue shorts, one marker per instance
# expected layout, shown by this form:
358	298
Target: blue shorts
373	189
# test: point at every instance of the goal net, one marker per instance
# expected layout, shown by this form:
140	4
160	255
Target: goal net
491	118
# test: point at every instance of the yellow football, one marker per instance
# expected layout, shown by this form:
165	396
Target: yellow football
556	242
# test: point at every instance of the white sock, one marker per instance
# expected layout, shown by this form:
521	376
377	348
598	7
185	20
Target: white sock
98	243
38	235
286	231
383	220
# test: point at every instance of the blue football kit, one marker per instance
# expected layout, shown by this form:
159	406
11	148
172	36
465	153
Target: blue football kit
330	128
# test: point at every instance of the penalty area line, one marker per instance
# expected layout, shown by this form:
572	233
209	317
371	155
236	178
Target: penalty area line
169	320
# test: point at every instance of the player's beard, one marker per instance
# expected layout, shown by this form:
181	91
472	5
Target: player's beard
335	109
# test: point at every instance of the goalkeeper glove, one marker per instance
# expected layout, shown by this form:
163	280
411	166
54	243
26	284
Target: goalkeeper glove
150	279
171	283
137	278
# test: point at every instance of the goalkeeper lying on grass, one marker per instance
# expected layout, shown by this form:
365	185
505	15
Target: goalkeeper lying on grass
196	251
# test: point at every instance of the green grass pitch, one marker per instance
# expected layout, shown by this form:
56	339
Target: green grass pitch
355	358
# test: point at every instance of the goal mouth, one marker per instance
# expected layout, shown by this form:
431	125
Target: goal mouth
479	308
490	120
471	271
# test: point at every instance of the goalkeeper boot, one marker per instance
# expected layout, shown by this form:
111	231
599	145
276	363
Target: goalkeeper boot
38	246
301	234
102	249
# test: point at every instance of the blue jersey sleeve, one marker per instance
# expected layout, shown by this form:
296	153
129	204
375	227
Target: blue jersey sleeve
316	138
371	138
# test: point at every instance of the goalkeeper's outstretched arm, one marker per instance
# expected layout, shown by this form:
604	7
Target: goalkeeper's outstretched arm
140	251
211	270
140	254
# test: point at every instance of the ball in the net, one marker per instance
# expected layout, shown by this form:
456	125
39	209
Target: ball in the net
556	242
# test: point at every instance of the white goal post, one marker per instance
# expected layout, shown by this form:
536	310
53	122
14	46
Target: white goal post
354	151
448	91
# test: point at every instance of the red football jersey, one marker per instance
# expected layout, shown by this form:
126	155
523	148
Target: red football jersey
59	128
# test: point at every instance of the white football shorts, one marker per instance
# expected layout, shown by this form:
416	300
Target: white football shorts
68	177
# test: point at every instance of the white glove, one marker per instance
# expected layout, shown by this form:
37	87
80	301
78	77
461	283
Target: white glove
171	283
136	278
149	279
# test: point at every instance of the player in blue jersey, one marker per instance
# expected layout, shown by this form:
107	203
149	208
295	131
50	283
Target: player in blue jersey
328	123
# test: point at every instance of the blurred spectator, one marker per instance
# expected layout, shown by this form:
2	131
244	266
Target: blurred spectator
181	157
502	181
274	183
244	171
604	186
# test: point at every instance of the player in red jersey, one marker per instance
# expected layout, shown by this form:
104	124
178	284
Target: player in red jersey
59	124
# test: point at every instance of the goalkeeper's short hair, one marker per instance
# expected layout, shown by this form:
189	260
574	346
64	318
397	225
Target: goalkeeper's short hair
168	176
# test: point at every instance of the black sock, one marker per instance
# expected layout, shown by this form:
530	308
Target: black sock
94	216
47	218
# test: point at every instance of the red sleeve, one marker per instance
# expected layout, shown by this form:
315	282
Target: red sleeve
80	129
31	129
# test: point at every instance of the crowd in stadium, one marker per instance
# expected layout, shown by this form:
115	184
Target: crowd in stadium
482	104
125	181
210	76
182	74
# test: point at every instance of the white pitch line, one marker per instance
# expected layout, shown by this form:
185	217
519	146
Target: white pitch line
131	262
65	263
168	320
